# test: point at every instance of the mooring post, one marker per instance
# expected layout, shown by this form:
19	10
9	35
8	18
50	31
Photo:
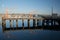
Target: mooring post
29	23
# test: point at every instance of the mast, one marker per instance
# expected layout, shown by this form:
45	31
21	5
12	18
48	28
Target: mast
52	10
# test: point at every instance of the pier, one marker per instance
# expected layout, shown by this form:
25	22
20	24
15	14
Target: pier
47	21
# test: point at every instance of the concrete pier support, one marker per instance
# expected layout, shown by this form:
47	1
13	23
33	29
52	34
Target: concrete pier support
29	23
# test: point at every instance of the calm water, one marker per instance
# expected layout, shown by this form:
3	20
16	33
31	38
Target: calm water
36	34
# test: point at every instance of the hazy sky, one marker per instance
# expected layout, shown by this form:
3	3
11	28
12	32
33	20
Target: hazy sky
26	6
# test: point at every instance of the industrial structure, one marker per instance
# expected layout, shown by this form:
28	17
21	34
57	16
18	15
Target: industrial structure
48	21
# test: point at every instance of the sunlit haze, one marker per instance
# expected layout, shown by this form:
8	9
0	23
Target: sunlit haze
26	6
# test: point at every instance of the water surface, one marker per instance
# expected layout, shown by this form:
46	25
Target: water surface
33	34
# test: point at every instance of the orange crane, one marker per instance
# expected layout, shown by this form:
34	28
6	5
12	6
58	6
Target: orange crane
6	14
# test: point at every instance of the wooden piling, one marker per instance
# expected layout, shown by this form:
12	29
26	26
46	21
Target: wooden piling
16	24
29	23
23	23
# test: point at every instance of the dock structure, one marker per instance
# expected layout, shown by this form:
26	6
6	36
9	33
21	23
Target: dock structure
47	21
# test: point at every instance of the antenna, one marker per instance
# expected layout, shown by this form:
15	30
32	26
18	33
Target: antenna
52	9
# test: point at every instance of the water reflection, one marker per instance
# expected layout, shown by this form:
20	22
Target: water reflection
31	35
28	34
